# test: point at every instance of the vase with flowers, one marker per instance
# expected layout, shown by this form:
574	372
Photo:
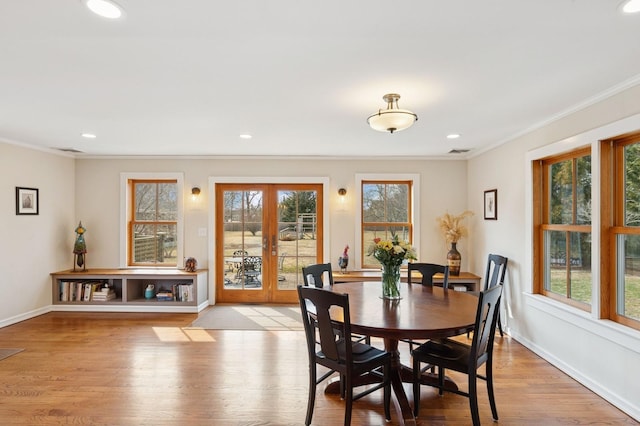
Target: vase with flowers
391	254
453	230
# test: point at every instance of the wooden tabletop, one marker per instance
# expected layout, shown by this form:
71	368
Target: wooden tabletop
423	312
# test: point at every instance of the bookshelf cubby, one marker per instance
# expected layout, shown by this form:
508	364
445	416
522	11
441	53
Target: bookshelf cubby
189	290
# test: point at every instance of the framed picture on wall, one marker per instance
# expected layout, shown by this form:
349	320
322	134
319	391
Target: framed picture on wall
491	204
27	200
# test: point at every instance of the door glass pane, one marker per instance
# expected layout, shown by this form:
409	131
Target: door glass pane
242	239
297	235
628	285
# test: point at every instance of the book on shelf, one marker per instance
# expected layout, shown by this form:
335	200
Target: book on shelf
164	295
459	287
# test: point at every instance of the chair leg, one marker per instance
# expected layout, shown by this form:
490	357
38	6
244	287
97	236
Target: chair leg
500	326
312	394
387	393
492	398
348	400
440	380
416	387
473	399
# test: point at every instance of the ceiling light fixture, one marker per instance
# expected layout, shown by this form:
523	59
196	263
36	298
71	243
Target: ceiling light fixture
88	135
453	136
245	136
392	119
631	6
104	8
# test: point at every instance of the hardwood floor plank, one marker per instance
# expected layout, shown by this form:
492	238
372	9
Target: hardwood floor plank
151	369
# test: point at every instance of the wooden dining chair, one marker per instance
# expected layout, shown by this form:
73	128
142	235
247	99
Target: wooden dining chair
317	272
427	271
329	324
453	355
494	275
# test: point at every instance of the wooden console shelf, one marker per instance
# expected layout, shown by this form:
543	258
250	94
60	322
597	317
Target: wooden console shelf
469	280
189	290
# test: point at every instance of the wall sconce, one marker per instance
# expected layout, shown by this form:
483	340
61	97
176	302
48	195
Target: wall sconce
342	194
195	193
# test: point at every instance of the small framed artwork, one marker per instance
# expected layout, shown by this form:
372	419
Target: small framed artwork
491	204
27	200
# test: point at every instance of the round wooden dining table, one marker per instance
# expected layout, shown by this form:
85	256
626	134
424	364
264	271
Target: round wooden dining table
423	312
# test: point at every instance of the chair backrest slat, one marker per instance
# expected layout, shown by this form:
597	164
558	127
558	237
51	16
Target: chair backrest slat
328	312
428	270
485	325
496	270
317	272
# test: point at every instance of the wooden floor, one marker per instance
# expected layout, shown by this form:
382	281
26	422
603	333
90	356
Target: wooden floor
148	369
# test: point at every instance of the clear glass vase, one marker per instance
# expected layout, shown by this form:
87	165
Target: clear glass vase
391	281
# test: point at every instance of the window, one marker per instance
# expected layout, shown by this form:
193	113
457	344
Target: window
151	218
154	223
621	184
386	212
564	240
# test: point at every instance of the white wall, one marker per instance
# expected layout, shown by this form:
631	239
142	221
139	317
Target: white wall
34	246
602	356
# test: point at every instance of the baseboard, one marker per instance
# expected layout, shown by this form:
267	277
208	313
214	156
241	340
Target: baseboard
24	316
622	404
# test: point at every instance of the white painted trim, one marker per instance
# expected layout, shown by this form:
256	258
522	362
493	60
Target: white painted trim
125	199
25	316
415	207
213	180
590	138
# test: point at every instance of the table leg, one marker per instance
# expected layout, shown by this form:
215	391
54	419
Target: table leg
401	402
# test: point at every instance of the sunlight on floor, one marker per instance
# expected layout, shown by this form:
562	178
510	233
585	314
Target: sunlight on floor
177	334
269	318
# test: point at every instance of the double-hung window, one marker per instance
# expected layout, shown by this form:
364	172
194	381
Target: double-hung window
621	236
564	249
152	219
386	213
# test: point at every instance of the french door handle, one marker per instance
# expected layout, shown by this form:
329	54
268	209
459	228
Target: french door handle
274	245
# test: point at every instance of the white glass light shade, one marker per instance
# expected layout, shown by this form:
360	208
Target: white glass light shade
631	6
391	119
104	8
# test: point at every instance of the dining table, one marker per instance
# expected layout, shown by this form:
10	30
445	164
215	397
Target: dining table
422	312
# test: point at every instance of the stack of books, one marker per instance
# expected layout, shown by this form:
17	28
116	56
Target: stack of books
165	295
104	294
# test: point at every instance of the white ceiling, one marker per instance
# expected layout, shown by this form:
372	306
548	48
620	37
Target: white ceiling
187	77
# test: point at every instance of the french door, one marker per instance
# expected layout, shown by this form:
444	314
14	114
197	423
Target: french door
265	234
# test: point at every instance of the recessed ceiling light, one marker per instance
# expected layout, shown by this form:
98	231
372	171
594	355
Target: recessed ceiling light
245	136
89	135
453	136
631	6
104	8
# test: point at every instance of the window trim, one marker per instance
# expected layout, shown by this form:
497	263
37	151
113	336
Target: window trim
125	215
592	138
414	178
541	170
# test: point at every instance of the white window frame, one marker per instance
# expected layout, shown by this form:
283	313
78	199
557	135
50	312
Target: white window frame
415	207
126	198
